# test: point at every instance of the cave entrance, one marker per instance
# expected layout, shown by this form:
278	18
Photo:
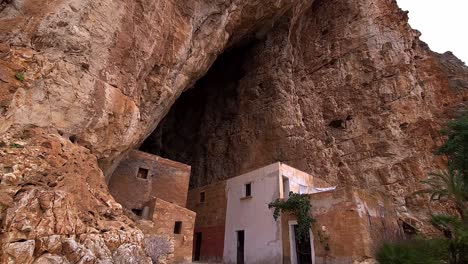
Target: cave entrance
191	127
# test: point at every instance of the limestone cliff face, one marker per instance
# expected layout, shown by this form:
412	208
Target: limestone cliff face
341	89
81	82
345	91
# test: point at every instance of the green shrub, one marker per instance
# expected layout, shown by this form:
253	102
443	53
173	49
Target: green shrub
456	146
452	248
417	251
456	233
299	205
19	76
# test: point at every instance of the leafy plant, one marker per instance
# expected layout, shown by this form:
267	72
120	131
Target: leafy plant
456	145
324	239
448	184
417	251
19	76
299	205
456	233
451	184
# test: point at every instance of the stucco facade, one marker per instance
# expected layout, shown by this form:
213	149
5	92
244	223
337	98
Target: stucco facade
349	224
210	203
163	222
251	215
164	179
228	209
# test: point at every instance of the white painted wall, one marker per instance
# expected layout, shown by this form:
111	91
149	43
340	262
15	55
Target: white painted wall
297	179
262	233
263	242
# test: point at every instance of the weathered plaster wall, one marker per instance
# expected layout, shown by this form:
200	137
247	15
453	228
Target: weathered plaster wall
167	180
211	219
262	232
353	223
299	178
163	221
263	235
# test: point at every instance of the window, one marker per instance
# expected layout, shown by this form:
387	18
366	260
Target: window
248	190
202	197
178	227
142	173
137	212
285	188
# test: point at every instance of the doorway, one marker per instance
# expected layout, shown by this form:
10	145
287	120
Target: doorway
197	246
240	246
302	249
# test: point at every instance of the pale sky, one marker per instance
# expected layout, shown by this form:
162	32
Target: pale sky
443	24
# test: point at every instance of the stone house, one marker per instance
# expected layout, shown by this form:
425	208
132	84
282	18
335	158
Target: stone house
155	190
234	224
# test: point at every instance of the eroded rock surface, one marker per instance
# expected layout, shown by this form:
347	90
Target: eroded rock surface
82	82
345	91
341	89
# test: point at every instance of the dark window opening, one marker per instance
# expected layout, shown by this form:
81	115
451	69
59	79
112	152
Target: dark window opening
202	197
138	212
142	173
178	227
248	190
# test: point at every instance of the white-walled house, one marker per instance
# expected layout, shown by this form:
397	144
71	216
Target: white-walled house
251	234
235	225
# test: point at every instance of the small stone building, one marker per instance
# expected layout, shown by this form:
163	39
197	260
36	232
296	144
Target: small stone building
350	225
234	224
155	190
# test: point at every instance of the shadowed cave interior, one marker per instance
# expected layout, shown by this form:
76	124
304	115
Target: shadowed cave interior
199	113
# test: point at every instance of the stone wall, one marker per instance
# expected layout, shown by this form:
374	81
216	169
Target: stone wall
166	179
350	225
164	219
211	219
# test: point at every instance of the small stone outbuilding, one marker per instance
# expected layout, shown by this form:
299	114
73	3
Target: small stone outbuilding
155	191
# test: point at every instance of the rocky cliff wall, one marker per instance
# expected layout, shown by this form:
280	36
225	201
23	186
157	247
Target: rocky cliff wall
345	91
82	82
341	89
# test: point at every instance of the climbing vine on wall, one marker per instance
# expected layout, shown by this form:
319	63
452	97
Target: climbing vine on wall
299	205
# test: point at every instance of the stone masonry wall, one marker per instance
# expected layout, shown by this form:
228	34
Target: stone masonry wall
349	225
352	224
167	180
164	217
